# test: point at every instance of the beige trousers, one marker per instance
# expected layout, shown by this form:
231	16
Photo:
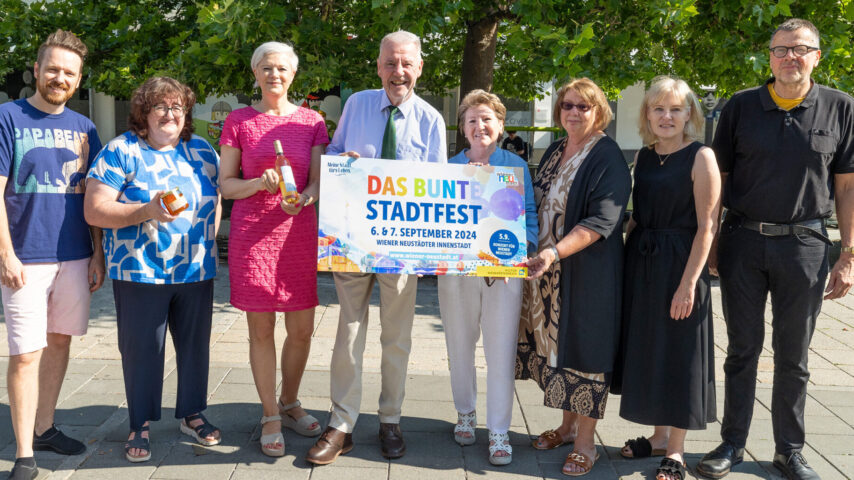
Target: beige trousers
397	309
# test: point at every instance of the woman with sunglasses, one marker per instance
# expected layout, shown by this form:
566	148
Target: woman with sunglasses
569	328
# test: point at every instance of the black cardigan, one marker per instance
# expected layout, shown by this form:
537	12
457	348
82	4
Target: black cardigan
592	279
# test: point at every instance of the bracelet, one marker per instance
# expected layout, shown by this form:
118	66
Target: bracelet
557	255
847	250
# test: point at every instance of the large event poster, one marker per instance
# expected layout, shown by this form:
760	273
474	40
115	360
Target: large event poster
381	216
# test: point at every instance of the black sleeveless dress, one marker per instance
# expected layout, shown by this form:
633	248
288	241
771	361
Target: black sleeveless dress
666	366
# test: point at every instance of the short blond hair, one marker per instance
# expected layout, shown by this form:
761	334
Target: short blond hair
481	97
592	94
660	87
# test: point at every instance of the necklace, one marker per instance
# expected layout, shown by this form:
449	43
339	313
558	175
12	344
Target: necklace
664	159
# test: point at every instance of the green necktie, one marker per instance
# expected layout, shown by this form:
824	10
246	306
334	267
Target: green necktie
390	136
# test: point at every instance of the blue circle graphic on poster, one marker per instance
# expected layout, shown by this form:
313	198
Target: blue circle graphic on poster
503	244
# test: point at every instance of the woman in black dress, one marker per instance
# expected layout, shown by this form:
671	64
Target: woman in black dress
666	370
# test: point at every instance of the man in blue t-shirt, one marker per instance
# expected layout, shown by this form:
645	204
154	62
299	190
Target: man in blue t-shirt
46	249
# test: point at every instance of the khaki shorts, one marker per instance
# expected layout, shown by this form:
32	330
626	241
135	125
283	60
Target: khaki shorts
54	299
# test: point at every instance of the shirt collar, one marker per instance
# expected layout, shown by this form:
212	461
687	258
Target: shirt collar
768	102
404	107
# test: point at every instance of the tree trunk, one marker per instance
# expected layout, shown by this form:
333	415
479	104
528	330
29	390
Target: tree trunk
478	62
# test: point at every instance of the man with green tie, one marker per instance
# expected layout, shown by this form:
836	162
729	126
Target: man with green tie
390	123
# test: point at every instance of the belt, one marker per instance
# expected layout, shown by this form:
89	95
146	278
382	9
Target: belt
807	227
648	243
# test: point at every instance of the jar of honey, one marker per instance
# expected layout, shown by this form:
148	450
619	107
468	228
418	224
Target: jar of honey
174	201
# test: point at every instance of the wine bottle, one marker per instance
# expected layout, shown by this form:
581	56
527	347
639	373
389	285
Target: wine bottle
287	184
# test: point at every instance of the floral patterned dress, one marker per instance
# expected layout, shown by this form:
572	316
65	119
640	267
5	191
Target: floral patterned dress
536	358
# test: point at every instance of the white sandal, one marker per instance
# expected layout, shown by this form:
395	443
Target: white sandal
272	438
300	425
466	422
500	442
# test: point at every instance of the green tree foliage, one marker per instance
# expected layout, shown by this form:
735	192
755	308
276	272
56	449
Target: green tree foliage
208	43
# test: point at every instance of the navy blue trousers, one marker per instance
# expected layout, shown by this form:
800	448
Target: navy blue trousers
793	269
143	312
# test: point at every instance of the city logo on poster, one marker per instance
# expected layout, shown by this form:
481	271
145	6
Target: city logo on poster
508	179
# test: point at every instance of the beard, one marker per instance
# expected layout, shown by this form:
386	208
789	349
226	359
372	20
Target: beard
55	98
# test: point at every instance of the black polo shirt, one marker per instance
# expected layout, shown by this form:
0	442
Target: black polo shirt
781	164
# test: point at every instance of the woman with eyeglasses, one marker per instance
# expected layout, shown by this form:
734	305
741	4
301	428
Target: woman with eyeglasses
154	191
273	243
666	373
471	305
569	329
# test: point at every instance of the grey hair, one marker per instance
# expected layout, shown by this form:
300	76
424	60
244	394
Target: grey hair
402	37
273	47
794	24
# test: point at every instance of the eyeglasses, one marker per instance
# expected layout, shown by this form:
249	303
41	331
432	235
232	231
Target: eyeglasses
798	50
582	107
176	110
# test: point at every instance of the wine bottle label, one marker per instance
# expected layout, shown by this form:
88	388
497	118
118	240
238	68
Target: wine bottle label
288	178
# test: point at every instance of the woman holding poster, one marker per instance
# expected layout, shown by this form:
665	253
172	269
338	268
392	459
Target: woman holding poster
273	242
469	305
569	330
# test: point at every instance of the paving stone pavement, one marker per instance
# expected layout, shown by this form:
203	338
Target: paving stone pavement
92	406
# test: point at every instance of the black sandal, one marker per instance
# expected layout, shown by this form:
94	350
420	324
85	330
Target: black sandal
201	431
671	469
140	443
641	448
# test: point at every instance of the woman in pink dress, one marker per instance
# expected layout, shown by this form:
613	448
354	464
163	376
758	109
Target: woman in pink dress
272	244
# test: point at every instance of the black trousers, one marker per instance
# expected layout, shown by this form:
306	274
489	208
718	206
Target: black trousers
793	269
143	312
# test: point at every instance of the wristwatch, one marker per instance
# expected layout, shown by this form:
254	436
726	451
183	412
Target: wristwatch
847	249
557	255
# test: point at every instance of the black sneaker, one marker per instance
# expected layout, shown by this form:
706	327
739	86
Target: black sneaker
24	469
794	467
53	439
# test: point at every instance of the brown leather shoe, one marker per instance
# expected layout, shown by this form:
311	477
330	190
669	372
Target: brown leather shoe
391	440
332	442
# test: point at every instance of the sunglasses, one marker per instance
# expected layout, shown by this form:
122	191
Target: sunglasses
582	107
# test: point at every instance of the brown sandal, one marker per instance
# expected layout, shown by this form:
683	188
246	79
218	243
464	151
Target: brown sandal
550	439
581	460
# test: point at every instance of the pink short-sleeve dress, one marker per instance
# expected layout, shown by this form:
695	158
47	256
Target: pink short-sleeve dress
272	258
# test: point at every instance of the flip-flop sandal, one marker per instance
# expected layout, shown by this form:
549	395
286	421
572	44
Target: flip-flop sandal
581	460
202	431
550	439
140	443
641	448
671	468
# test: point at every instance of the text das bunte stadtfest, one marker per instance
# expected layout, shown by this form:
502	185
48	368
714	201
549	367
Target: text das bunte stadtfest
434	208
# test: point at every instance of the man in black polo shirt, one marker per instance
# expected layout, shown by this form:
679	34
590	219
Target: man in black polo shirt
784	150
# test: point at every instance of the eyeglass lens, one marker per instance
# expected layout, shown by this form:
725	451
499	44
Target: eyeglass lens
799	50
177	110
567	106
